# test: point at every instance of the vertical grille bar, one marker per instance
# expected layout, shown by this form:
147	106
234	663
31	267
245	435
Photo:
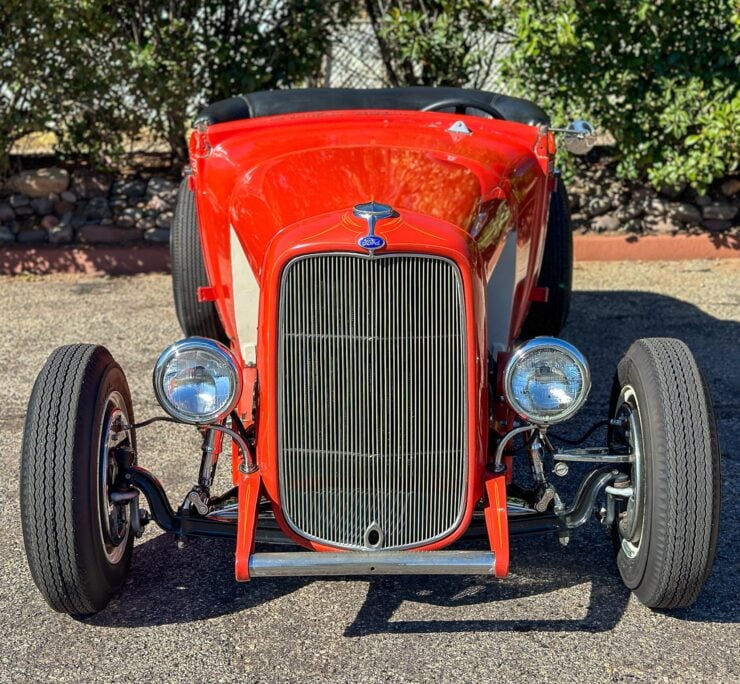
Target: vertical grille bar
372	407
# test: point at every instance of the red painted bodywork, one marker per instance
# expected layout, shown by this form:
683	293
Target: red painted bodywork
287	186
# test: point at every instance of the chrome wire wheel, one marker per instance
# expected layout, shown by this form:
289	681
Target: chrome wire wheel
631	517
114	520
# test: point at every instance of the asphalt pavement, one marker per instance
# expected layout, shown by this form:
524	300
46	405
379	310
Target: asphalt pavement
562	615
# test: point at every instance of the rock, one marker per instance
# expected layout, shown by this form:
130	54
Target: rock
130	188
632	226
25	210
97	208
61	207
630	210
49	221
716	225
605	223
656	207
157	235
40	182
164	220
6	235
161	186
32	236
61	234
614	193
730	187
118	204
156	204
129	217
703	200
598	206
719	211
639	194
6	213
145	224
78	217
685	212
53	197
17	200
41	205
68	196
88	183
669	191
107	234
660	224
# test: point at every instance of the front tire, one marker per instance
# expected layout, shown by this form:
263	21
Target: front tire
666	532
199	319
78	542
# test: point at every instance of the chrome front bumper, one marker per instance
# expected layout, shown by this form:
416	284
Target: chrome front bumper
307	563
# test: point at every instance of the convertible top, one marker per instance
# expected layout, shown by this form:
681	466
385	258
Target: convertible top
274	102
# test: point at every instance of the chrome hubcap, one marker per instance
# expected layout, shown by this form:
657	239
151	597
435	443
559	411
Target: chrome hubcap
631	519
115	525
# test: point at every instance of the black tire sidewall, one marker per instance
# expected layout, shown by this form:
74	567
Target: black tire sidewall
633	569
189	271
680	457
105	578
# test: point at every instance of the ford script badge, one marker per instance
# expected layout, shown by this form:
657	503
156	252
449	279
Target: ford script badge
372	212
371	242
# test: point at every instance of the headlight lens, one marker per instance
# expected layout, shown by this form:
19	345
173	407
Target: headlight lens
197	380
546	380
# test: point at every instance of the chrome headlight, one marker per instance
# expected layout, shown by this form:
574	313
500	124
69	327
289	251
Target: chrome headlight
197	380
546	380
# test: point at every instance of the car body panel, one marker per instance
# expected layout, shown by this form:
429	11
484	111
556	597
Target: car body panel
285	186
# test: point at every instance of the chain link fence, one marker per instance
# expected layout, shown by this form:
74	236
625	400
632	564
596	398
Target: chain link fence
354	60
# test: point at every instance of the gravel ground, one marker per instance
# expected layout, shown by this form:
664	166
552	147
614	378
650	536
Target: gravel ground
562	615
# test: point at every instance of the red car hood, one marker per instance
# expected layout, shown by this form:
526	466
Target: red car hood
266	175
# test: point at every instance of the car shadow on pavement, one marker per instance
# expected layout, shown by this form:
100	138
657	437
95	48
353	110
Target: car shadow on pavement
549	589
544	591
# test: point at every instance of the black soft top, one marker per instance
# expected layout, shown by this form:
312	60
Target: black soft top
274	102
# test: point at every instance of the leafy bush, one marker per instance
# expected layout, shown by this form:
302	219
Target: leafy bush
434	42
661	76
186	54
57	75
96	73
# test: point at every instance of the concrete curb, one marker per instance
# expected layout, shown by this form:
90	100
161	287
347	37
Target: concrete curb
88	260
156	258
655	247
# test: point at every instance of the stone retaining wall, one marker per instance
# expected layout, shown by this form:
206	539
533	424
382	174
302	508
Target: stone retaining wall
52	205
601	203
86	207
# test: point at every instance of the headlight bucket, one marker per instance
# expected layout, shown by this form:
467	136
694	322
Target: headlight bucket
546	380
197	380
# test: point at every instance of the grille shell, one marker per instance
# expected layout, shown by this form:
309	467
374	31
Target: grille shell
372	400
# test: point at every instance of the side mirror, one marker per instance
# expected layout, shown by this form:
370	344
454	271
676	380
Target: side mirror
579	137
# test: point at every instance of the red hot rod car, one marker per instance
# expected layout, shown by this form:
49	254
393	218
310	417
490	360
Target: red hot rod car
371	283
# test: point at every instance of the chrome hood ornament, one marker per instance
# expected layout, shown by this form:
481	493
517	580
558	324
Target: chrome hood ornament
372	212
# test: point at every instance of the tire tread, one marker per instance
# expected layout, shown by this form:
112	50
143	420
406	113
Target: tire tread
53	434
686	478
188	271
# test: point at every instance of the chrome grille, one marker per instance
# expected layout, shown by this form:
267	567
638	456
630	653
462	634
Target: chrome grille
372	411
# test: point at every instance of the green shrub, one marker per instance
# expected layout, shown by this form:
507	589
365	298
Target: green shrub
434	42
186	54
57	75
661	76
98	73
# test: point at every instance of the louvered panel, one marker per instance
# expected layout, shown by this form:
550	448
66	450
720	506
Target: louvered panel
372	404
